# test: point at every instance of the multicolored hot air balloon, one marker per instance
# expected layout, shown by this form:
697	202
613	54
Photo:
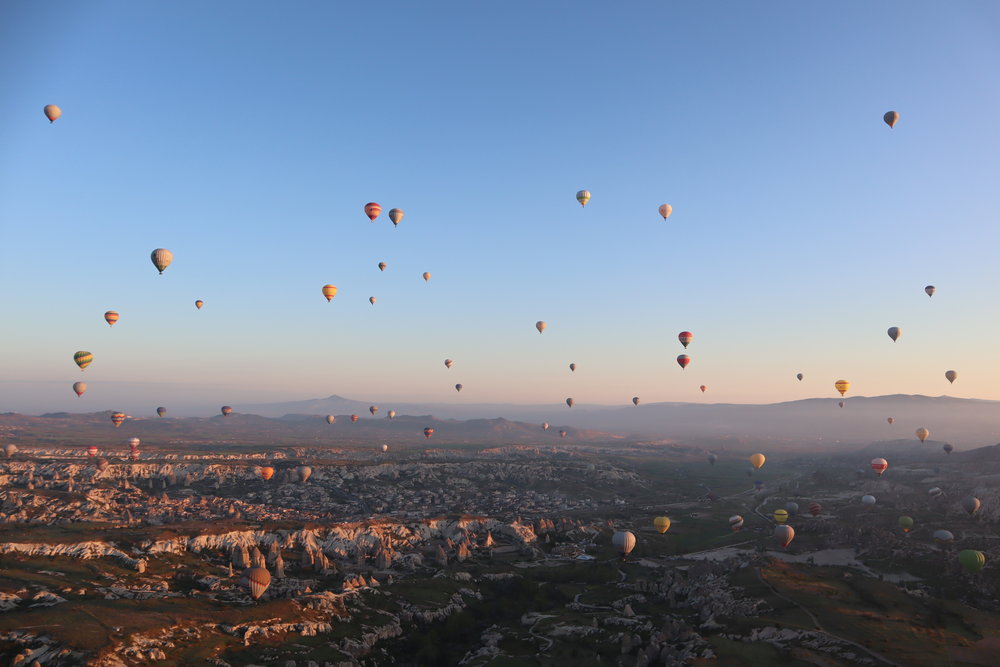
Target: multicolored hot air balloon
572	367
703	388
784	534
540	325
92	451
373	409
329	291
683	360
972	560
134	443
395	214
161	258
52	112
661	524
948	448
381	266
815	508
930	289
685	337
256	580
226	410
79	388
922	433
426	275
879	466
757	460
111	317
635	400
354	419
842	386
799	376
448	363
372	210
583	196
781	516
624	541
330	419
570	402
458	387
117	418
161	412
428	432
894	333
665	210
83	359
198	304
970	504
735	523
266	473
951	376
891	118
906	523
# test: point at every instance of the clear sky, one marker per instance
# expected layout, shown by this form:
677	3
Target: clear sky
247	136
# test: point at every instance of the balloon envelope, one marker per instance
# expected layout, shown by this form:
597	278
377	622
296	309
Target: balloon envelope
635	400
784	534
372	210
111	317
329	291
304	473
951	376
703	388
815	508
354	418
685	337
79	388
226	410
665	210
891	118
427	276
256	580
540	325
381	266
891	420
458	387
428	432
683	360
930	289
52	112
948	448
879	466
545	426
570	402
781	516
162	412
330	419
161	258
972	560
117	418
624	541
662	524
922	433
757	460
583	196
373	409
712	458
83	359
266	473
868	500
198	304
735	522
943	536
970	504
894	333
906	523
842	386
448	363
395	214
371	300
572	367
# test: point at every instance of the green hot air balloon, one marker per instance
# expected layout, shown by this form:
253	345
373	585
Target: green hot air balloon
972	560
83	359
906	523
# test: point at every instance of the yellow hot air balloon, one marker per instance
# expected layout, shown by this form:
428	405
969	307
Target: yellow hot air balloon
83	359
427	276
198	304
395	214
757	460
662	524
266	473
923	433
329	291
161	258
842	386
781	516
111	317
583	196
52	112
666	210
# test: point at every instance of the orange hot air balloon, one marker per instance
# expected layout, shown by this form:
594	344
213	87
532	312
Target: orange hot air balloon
111	317
198	304
683	360
757	460
703	388
330	419
372	210
79	388
842	386
117	418
52	112
428	432
685	337
354	419
226	411
329	291
266	473
426	275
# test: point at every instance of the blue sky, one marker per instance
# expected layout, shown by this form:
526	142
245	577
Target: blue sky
246	137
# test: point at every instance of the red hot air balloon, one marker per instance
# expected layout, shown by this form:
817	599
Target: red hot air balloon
428	432
703	388
372	210
683	360
92	451
117	418
879	466
355	418
685	337
815	509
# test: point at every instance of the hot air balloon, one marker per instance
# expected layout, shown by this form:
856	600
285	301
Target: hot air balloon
266	473
371	300
540	325
428	432
906	523
83	359
842	386
757	460
572	367
894	333
372	210
117	418
922	433
879	466
891	420
79	388
134	443
52	112
161	258
329	291
161	412
703	388
685	337
381	266
683	360
934	492
665	210
395	214
583	196
840	403
930	289
784	534
781	516
92	451
635	400
133	455
256	580
624	541
458	387
735	522
330	419
570	402
799	376
448	363
562	433
426	275
868	500
198	304
890	118
792	508
392	414
103	464
373	409
943	536
815	508
354	419
661	524
111	317
972	560
9	450
951	376
304	473
712	458
970	504
948	448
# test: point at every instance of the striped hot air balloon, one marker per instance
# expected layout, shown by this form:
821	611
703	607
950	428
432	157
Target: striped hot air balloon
683	360
354	419
781	516
111	317
583	196
329	291
161	258
83	359
735	522
842	386
256	580
428	432
117	418
879	466
685	337
372	210
396	215
815	508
